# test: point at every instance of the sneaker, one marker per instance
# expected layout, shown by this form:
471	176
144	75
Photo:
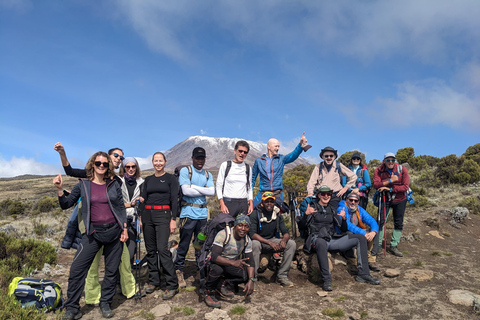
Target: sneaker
374	266
395	251
105	310
181	280
366	278
210	299
151	288
327	286
225	291
71	315
284	282
169	294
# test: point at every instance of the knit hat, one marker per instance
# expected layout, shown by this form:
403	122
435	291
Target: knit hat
328	149
241	218
129	159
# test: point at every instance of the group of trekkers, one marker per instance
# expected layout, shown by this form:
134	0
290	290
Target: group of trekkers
333	219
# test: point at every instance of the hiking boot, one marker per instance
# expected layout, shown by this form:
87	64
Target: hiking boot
225	291
105	310
169	294
374	266
366	278
151	288
284	282
210	299
181	280
71	315
327	286
395	251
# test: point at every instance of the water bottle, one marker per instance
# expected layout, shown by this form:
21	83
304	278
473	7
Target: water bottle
410	197
199	240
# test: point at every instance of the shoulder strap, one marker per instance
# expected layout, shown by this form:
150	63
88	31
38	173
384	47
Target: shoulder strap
227	170
228	235
339	169
247	169
399	168
189	173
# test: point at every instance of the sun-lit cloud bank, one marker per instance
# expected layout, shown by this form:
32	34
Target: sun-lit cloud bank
20	166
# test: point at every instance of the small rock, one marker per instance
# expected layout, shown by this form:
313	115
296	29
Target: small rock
436	234
417	235
419	275
322	293
217	314
391	273
463	297
339	260
161	310
46	269
432	222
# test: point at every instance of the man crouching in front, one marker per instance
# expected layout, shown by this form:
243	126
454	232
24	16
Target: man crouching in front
231	263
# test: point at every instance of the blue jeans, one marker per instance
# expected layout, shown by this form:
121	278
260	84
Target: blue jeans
188	227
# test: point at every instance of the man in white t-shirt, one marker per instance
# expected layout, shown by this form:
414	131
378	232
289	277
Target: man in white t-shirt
234	183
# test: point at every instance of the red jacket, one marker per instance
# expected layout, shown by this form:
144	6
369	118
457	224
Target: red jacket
399	188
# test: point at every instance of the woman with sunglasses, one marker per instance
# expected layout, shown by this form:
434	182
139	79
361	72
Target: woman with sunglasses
329	173
327	232
363	184
160	196
105	220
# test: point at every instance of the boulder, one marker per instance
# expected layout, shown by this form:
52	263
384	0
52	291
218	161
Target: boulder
161	310
392	273
462	297
217	314
308	264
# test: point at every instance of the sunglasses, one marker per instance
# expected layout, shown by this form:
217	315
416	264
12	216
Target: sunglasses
99	163
353	200
356	159
243	151
130	167
328	156
116	155
389	160
326	194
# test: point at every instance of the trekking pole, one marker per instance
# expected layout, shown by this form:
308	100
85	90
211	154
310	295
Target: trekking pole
138	267
384	225
291	196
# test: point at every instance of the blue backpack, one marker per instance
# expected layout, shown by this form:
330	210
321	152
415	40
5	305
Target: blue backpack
45	295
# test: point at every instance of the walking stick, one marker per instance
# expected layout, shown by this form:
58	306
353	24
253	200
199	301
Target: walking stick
138	266
384	225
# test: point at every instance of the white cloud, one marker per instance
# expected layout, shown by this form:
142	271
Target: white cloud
203	132
20	166
430	102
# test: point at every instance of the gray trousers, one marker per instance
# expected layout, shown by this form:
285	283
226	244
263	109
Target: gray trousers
259	248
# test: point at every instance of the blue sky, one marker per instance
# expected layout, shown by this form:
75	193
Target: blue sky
145	75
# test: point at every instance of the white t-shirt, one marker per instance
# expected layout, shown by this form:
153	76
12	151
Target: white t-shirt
235	183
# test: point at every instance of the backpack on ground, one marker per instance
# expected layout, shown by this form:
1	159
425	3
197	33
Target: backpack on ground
181	202
45	295
214	226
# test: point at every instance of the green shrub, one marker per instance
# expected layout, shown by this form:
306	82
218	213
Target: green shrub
186	310
347	156
418	163
333	312
472	204
461	178
421	201
428	178
238	310
21	256
417	190
473	153
47	204
405	155
471	168
12	207
10	309
39	228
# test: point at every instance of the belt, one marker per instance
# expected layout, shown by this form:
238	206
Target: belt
234	199
104	226
188	204
157	207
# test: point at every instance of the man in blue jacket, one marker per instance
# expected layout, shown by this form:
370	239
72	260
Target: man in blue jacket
270	168
357	222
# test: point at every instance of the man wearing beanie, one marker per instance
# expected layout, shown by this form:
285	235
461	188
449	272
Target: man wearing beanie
231	262
358	220
392	181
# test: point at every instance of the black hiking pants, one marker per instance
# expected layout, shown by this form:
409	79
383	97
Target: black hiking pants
231	274
156	230
344	243
81	264
188	227
236	206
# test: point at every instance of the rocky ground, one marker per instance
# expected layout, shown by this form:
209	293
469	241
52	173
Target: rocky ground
440	257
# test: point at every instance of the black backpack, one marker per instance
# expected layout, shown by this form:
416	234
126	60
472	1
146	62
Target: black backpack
182	203
220	222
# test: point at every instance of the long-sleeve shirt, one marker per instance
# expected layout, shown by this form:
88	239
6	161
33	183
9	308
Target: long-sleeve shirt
161	190
330	178
399	188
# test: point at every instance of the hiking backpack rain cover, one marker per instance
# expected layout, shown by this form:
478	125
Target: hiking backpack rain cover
211	229
43	294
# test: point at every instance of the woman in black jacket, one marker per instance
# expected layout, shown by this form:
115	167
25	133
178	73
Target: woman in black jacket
160	196
327	232
105	222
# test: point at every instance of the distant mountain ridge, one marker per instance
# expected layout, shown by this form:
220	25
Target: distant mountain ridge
218	150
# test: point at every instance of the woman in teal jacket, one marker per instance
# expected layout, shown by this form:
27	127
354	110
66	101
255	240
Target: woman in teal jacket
363	183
